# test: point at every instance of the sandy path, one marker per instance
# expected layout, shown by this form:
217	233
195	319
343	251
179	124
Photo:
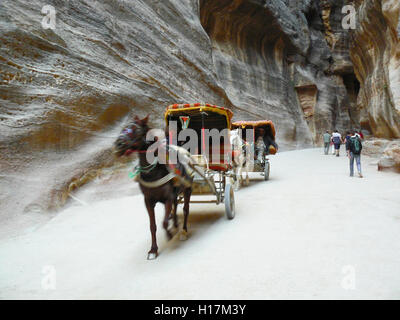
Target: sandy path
310	232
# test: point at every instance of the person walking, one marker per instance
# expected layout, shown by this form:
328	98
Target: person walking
346	141
337	141
327	141
354	147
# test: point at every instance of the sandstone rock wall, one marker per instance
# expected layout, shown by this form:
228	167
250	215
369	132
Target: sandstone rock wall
66	93
249	50
375	53
387	153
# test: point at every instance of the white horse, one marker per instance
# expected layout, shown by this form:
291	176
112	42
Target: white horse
241	161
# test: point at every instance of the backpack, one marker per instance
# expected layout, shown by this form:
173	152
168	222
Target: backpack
356	145
336	140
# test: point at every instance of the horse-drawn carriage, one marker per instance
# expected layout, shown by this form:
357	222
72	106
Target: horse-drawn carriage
260	137
209	168
209	128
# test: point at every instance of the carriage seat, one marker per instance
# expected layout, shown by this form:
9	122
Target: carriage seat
221	163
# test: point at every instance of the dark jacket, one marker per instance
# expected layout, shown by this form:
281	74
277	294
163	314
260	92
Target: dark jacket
348	143
351	144
268	141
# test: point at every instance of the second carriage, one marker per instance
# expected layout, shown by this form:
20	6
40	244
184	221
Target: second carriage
213	168
251	132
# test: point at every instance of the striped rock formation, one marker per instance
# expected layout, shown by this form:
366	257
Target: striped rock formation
66	89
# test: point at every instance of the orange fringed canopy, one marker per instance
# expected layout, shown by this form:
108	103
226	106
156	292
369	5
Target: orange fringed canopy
254	124
199	107
257	124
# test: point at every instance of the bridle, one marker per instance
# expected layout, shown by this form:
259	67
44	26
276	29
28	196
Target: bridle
134	143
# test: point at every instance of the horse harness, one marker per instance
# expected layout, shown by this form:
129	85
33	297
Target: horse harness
174	173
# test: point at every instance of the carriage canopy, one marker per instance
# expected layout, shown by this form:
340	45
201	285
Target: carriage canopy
267	125
204	118
199	116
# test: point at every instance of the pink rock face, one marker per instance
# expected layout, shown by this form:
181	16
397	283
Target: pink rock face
66	92
375	52
391	158
374	147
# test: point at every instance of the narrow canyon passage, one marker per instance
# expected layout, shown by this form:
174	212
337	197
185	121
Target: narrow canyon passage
309	232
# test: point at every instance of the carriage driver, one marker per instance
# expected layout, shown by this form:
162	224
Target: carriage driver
263	144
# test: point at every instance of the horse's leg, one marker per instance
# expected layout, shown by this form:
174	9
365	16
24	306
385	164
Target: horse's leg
246	168
168	209
186	193
236	171
241	170
237	177
175	216
153	253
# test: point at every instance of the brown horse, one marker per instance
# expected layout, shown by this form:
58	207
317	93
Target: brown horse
133	139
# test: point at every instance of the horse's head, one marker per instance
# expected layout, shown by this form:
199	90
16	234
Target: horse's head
132	138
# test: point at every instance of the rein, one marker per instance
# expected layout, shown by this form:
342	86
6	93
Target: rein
147	169
158	183
138	170
136	175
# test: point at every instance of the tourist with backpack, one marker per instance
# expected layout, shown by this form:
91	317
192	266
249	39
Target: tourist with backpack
337	141
354	146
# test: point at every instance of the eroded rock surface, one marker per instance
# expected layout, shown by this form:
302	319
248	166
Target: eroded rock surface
66	93
283	60
390	161
376	57
387	153
374	147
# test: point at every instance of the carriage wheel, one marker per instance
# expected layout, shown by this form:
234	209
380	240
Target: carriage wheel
267	170
229	201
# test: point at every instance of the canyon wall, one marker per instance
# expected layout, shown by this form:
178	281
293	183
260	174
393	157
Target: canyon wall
287	61
375	52
65	93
